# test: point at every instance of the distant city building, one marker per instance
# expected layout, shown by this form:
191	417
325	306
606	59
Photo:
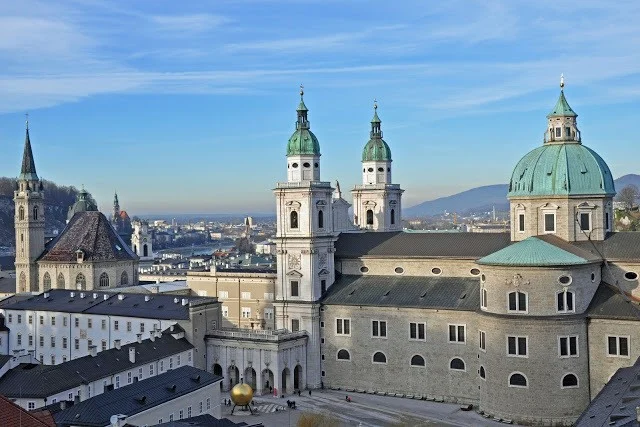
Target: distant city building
121	221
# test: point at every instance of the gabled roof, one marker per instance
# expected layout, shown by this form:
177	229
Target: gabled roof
534	252
40	381
137	397
610	303
423	245
13	415
91	233
448	293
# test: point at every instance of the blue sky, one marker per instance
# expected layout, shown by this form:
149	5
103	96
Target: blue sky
187	106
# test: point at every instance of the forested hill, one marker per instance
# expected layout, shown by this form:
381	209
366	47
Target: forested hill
58	198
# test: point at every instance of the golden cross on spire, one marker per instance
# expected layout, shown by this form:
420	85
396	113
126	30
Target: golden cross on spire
27	120
562	81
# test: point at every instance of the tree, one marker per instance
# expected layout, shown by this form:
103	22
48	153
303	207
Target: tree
628	196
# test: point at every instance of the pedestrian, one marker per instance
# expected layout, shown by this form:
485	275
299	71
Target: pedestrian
298	392
309	392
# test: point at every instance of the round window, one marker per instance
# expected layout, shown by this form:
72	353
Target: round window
399	270
315	165
388	169
364	269
295	165
631	275
593	277
306	165
483	278
564	280
380	169
364	170
474	271
370	169
436	271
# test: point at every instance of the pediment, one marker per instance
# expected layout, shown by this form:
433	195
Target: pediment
323	272
550	206
293	204
370	203
294	273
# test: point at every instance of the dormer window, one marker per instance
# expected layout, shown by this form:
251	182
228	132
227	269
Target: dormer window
79	256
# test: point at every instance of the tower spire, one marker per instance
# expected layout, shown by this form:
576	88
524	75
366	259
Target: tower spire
376	130
28	169
302	110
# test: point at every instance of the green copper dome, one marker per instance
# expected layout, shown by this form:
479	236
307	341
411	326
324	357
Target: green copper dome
303	141
561	170
376	150
562	108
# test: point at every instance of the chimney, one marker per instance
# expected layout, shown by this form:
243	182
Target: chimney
176	300
120	297
185	301
155	289
95	296
171	328
105	297
147	298
132	354
81	294
116	344
46	295
63	405
152	335
139	337
93	350
72	294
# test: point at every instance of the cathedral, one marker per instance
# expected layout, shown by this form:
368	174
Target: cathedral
87	255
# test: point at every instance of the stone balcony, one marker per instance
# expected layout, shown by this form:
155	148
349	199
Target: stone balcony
304	184
270	335
376	187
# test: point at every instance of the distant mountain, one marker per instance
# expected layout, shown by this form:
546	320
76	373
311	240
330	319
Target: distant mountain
482	199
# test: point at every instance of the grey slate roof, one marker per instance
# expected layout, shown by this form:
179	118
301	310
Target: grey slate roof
136	397
620	246
204	420
159	306
437	245
609	303
616	403
448	293
91	233
39	381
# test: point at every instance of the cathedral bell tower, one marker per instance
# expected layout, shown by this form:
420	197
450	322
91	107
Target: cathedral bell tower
305	241
29	221
377	202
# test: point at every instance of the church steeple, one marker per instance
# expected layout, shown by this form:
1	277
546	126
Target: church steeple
28	170
302	122
376	129
562	121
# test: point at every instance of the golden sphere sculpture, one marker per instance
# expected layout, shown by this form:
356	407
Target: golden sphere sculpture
241	394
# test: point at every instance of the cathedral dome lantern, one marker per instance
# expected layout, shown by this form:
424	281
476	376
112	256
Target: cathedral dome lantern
303	148
562	168
376	155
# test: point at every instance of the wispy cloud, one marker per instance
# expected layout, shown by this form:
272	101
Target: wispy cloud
194	23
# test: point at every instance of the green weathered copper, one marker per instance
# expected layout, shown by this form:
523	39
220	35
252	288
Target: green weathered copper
532	252
561	170
376	150
28	169
84	203
562	108
303	142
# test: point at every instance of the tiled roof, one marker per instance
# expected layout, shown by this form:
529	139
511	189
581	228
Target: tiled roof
137	397
533	251
620	246
451	293
427	245
39	381
155	306
91	233
609	303
204	420
616	403
13	415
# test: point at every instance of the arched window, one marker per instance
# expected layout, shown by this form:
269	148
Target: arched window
457	364
565	301
393	216
46	281
483	298
369	217
569	380
81	282
35	212
22	283
417	360
60	281
21	213
320	219
518	301
483	374
104	280
293	219
124	279
379	357
517	380
145	250
344	355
